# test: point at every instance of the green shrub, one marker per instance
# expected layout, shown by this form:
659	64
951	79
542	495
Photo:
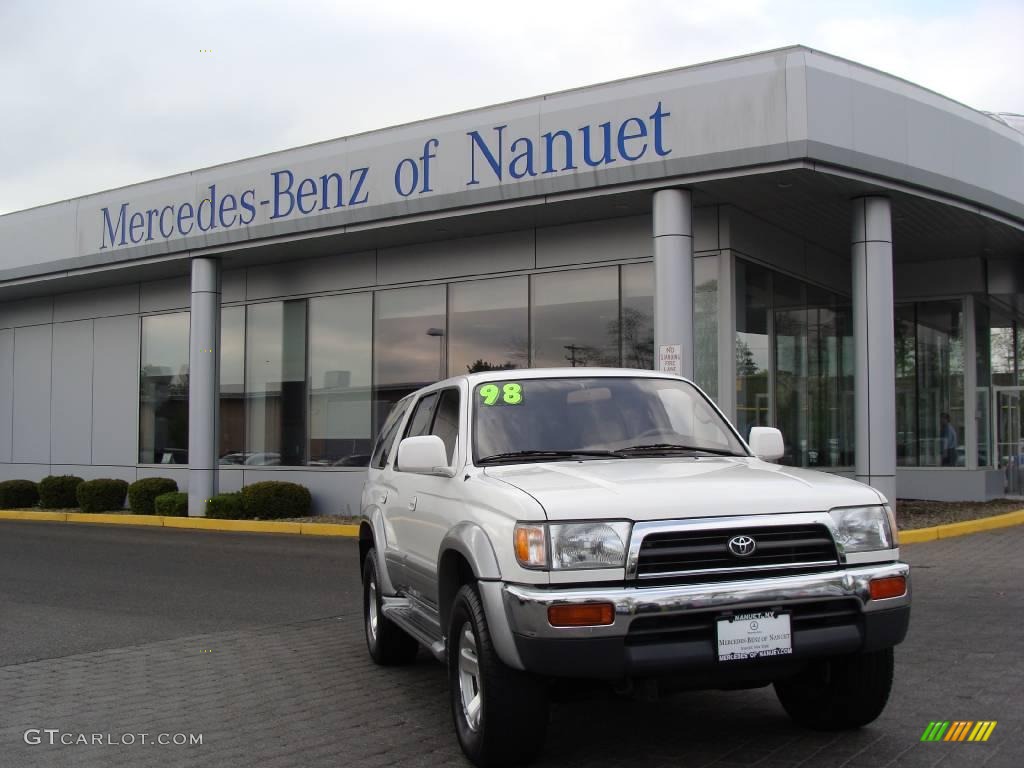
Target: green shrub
102	495
142	493
173	504
18	493
58	491
225	506
272	499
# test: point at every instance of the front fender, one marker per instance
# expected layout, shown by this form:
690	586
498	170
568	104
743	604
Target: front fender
470	541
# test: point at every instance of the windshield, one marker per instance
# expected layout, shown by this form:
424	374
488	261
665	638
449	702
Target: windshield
518	420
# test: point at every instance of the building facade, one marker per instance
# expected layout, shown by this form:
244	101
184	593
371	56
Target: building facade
823	247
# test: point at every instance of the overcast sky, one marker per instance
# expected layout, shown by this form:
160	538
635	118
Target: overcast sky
99	94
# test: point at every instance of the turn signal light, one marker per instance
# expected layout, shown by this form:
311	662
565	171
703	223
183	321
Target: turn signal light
585	615
891	586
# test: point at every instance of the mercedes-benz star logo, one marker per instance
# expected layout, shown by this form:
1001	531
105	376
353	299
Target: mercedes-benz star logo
742	546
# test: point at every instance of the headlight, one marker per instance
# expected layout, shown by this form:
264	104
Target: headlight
572	545
863	529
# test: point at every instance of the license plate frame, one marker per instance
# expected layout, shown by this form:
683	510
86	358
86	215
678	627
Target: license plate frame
754	635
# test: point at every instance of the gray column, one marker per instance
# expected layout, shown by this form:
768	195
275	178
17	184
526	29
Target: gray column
873	341
203	384
673	277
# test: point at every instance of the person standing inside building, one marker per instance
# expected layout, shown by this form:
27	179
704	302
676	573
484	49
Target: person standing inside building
948	441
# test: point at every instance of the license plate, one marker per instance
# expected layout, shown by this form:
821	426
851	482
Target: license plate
754	635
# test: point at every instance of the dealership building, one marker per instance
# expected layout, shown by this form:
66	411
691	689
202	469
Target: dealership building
821	246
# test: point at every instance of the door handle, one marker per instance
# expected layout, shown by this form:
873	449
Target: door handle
412	503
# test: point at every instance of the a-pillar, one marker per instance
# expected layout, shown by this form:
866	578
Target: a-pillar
203	384
673	281
874	344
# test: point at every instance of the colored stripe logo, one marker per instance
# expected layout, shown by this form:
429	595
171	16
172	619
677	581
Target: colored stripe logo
958	730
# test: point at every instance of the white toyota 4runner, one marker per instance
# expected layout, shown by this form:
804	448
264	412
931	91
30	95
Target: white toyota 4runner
531	526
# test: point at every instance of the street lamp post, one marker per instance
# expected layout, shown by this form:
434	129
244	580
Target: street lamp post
439	333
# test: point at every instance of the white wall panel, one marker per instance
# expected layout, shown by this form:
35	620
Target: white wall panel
6	392
32	356
457	258
626	238
95	472
34	472
161	295
71	409
103	302
232	285
26	312
178	474
347	270
115	433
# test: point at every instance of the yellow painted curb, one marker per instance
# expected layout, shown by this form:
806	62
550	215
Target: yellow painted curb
951	530
329	529
247	526
113	519
20	514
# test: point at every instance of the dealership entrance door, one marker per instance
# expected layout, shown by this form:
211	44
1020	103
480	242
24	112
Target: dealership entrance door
1009	431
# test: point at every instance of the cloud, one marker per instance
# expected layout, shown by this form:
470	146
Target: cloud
102	95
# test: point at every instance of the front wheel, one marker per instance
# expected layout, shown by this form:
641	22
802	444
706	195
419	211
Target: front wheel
387	644
841	693
500	714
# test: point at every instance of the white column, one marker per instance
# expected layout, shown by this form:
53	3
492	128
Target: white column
203	384
673	277
874	344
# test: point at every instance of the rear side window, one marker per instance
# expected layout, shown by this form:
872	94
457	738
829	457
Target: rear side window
446	421
422	416
382	449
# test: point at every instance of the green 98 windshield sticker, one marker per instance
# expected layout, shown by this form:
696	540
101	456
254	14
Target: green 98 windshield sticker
509	393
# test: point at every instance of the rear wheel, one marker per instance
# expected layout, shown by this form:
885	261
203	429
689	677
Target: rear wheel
500	714
841	693
387	644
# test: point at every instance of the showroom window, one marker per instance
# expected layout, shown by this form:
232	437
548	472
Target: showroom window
488	325
637	323
753	299
575	318
705	323
232	386
163	390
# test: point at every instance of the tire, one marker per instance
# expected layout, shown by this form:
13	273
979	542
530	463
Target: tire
841	693
500	714
388	645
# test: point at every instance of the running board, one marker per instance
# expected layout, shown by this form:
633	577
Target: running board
398	610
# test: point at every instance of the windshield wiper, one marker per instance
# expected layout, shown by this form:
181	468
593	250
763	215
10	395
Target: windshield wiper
668	447
535	454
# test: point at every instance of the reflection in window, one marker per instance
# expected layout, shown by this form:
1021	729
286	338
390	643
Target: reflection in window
339	380
275	380
163	390
575	318
489	325
940	380
638	316
232	386
906	386
753	297
409	341
705	324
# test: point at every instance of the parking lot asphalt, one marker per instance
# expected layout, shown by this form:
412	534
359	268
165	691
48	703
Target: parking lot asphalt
255	643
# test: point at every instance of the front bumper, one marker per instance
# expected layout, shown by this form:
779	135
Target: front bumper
672	629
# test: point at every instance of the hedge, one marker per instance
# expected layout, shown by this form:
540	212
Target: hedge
273	499
102	495
173	504
143	493
225	506
18	493
58	491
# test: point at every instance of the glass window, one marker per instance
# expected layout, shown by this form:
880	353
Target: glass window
637	323
705	323
422	416
791	391
163	390
386	440
575	318
408	344
446	422
232	386
753	294
940	391
1004	354
340	362
983	371
488	325
906	385
275	381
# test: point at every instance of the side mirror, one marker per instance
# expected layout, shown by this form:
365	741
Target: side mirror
424	455
766	443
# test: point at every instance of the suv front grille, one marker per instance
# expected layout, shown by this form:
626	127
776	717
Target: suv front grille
704	555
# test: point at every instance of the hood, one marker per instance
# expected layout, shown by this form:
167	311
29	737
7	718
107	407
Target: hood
671	488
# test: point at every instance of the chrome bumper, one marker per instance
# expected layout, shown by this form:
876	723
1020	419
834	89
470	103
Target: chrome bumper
527	607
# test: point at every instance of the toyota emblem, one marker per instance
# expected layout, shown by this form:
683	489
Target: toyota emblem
742	546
